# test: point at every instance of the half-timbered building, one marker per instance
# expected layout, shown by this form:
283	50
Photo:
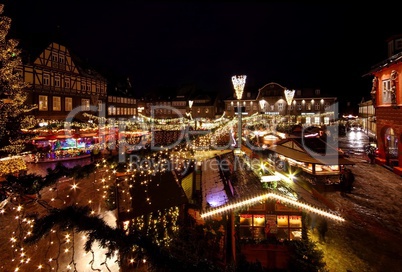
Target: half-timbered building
61	85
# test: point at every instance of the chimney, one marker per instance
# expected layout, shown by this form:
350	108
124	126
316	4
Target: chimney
394	45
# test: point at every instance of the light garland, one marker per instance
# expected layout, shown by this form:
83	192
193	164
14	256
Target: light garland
248	202
289	94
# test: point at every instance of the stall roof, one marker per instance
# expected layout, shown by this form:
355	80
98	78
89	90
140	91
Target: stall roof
311	150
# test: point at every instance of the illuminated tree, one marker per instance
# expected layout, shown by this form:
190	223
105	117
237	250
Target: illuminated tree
13	109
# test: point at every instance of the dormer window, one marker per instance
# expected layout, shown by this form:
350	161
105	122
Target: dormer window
398	44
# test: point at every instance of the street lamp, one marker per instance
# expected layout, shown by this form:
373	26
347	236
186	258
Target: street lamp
238	84
289	94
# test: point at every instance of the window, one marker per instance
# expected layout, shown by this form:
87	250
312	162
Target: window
55	57
61	58
67	83
252	226
68	104
317	106
43	103
317	91
57	81
89	86
110	99
280	106
46	79
308	106
97	88
299	107
85	104
386	91
100	105
308	120
56	103
298	92
317	120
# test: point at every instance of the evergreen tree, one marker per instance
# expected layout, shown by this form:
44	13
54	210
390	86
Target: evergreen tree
13	109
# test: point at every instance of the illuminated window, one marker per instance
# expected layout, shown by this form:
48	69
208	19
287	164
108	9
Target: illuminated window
100	107
85	104
110	110
56	103
43	103
68	104
386	91
252	226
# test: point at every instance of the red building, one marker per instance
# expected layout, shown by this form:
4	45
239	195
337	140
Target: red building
386	95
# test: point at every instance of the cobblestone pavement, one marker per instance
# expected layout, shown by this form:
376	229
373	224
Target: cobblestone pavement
57	252
370	239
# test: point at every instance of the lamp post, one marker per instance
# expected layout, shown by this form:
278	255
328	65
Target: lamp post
238	84
289	94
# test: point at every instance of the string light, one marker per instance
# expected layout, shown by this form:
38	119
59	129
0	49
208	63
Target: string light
245	203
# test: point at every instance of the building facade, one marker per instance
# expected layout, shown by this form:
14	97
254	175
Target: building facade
367	117
387	99
307	106
60	86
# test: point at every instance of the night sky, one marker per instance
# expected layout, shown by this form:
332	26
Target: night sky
158	44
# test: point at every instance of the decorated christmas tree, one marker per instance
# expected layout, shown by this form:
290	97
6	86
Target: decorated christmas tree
14	113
